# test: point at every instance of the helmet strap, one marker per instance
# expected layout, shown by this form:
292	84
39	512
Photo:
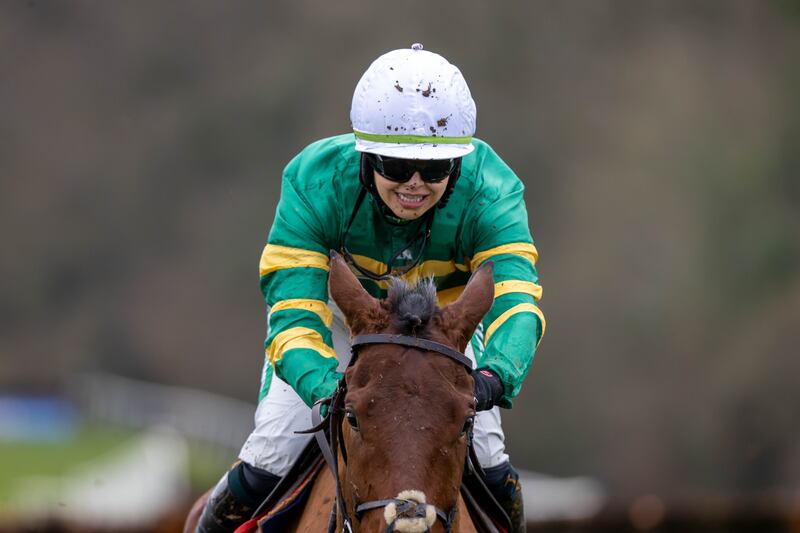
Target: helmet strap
451	184
367	175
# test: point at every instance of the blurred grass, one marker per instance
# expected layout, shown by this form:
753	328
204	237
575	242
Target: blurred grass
56	458
90	441
206	465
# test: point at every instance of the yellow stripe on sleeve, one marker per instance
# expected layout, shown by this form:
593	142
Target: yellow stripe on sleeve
275	257
318	307
297	338
520	308
526	287
524	249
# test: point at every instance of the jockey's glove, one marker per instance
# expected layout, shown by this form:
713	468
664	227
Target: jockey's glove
488	389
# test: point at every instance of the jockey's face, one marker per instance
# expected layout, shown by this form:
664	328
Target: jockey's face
411	199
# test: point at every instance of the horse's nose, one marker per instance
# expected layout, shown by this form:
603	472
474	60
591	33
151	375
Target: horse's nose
409	513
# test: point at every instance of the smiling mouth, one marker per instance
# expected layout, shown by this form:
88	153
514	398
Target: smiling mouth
411	199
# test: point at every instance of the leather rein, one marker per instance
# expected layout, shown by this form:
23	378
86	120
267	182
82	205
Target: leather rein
330	446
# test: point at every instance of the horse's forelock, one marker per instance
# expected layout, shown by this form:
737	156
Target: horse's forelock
413	305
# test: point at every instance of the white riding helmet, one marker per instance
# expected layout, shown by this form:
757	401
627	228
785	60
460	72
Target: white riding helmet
413	104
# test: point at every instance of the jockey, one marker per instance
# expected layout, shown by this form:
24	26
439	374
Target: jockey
408	193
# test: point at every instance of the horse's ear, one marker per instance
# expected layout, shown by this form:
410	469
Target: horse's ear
460	318
362	311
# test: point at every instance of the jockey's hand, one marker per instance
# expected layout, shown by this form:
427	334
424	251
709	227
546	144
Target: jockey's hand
488	389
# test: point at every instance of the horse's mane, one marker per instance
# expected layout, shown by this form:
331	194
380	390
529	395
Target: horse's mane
413	305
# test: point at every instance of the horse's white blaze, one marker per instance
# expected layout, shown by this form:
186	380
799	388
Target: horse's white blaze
410	525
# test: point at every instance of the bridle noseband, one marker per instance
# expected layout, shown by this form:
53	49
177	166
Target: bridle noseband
333	422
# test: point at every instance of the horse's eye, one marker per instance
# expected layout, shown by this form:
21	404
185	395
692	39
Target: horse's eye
468	423
351	419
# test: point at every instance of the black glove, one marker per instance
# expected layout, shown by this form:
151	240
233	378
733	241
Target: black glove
488	389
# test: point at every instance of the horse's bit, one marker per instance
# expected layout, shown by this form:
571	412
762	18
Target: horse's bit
334	419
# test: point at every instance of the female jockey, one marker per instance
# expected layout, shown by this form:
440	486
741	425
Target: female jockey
409	193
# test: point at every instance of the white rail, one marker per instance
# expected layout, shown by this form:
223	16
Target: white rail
201	415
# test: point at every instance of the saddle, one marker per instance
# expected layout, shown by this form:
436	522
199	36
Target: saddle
289	497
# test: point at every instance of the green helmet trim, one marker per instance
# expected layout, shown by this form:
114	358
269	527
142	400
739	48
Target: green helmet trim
410	139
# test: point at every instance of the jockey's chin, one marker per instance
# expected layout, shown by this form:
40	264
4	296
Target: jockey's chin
412	199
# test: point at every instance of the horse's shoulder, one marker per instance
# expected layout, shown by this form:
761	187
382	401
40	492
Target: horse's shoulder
320	502
465	521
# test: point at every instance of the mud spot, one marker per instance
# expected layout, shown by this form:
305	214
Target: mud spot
442	122
427	92
433	130
397	86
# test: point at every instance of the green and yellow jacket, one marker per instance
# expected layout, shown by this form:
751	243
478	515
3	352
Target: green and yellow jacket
485	218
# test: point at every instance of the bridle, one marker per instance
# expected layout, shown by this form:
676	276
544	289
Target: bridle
330	445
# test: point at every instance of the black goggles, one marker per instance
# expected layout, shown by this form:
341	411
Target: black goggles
401	170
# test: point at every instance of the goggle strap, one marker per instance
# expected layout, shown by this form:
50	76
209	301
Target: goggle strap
380	277
360	199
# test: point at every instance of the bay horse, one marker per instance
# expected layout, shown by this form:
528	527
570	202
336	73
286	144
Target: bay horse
405	410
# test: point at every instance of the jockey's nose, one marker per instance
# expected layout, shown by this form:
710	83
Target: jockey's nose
415	181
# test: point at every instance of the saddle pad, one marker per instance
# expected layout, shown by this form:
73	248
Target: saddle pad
274	520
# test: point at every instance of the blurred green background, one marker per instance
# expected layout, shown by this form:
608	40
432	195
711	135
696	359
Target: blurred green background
141	146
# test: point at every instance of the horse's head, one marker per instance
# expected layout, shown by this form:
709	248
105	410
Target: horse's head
409	411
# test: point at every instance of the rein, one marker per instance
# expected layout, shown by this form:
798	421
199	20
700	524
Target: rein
333	421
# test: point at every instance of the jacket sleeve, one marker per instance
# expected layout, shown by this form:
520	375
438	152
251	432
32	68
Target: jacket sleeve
514	325
294	281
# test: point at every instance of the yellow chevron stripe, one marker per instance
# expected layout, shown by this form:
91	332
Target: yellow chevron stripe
524	249
297	338
432	267
527	287
520	308
447	296
373	266
315	306
275	257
